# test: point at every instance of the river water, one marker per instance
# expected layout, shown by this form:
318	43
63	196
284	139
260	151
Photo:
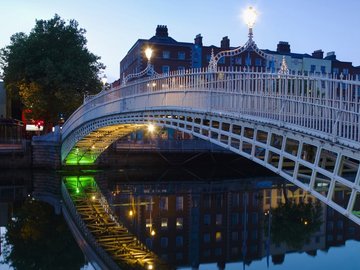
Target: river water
214	218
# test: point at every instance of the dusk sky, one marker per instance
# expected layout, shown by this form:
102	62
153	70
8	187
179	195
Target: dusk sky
113	26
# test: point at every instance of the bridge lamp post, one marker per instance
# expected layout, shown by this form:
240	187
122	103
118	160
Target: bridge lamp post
103	81
249	16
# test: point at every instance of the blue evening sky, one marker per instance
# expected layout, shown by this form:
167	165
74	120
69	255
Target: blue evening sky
113	26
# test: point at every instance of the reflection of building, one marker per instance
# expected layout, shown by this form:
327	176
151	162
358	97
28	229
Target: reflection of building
205	222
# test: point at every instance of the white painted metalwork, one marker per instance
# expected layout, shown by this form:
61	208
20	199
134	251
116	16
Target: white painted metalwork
305	128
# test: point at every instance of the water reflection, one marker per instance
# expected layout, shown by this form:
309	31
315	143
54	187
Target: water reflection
191	220
33	235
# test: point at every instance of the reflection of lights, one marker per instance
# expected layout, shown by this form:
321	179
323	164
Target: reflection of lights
151	128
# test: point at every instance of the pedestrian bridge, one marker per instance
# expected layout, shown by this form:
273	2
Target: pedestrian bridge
304	128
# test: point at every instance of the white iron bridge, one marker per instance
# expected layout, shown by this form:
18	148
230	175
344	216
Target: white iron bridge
304	128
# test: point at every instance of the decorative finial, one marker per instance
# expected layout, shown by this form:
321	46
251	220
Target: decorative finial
283	68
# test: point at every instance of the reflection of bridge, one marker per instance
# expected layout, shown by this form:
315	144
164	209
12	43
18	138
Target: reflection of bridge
109	239
304	128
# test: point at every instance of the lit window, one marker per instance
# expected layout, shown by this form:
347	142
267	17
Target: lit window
148	223
218	236
179	223
166	54
164	223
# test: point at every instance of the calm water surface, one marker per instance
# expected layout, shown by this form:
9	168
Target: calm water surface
202	219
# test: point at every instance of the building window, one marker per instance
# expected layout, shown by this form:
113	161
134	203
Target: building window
181	68
181	55
208	56
236	200
165	69
221	60
164	223
345	71
238	60
179	223
336	70
258	62
179	256
206	238
179	241
219	200
218	219
163	203
207	201
164	242
235	219
323	69
218	236
255	218
166	54
179	203
235	236
218	252
312	68
207	219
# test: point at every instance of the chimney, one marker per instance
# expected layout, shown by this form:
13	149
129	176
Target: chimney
283	47
331	56
225	43
162	31
198	40
319	54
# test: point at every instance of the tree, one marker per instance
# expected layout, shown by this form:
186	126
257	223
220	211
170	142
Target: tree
51	69
294	224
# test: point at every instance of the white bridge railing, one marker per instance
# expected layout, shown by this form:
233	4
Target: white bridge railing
317	105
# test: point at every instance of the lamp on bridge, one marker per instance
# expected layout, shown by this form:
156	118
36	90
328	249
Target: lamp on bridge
249	16
149	70
103	81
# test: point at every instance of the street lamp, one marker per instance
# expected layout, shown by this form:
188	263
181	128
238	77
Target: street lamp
103	81
149	68
148	54
249	16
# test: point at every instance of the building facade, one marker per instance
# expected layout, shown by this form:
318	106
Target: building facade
170	55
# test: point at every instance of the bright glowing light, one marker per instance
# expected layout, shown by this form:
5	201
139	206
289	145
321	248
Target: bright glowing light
104	80
151	128
250	16
131	213
152	232
150	267
93	146
305	222
93	197
148	53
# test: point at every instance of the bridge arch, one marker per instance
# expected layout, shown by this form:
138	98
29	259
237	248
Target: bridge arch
243	113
